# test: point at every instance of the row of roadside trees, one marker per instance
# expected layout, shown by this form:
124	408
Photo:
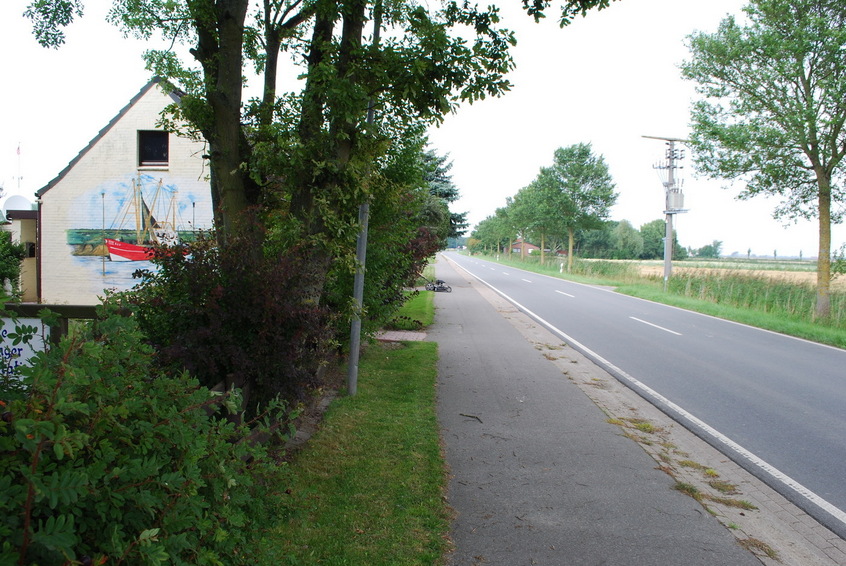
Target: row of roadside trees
565	208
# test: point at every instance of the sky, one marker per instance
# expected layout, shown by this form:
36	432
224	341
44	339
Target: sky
608	79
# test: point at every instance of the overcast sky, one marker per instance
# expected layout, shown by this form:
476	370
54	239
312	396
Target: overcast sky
608	79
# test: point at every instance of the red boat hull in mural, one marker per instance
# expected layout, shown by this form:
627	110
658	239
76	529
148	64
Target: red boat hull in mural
124	251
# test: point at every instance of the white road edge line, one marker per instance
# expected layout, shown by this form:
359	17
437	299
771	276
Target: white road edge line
567	294
656	326
754	460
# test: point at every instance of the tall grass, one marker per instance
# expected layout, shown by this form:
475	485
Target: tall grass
770	295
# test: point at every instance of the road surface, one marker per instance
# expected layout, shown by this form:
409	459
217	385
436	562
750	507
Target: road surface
774	404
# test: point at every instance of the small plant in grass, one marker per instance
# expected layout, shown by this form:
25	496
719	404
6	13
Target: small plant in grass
736	503
711	473
691	464
643	425
723	487
689	489
758	546
646	427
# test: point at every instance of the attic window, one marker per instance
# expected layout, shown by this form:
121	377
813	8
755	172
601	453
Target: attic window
152	148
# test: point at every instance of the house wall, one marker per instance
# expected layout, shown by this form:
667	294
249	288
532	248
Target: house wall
84	202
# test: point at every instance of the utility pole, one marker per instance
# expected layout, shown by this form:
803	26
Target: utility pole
673	197
361	247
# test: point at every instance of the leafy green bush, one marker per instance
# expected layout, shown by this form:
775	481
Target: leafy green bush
11	255
104	462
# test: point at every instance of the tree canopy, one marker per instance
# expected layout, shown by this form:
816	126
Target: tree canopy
772	115
581	188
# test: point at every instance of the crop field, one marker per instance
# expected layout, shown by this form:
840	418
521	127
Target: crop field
786	271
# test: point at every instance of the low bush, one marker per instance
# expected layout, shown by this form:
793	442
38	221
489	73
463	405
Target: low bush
236	315
103	461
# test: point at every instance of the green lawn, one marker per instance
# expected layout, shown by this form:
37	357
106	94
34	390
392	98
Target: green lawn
368	487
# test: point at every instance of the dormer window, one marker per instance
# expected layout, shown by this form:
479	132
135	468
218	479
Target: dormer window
152	148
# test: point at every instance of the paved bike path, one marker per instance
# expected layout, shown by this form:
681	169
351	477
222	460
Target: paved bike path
538	475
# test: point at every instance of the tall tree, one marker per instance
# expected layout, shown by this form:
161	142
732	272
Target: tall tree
712	250
628	242
436	174
582	187
653	234
538	206
772	114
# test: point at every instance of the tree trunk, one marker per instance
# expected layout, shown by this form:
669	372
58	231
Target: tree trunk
823	306
543	247
273	41
220	52
571	237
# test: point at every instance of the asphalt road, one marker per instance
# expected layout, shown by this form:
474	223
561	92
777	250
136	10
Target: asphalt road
774	404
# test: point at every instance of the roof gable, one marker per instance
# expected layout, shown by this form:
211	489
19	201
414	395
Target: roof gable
153	82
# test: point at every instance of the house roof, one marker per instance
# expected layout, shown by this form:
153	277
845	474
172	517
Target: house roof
176	96
22	214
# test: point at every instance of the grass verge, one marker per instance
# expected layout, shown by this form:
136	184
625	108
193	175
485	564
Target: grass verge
418	312
368	487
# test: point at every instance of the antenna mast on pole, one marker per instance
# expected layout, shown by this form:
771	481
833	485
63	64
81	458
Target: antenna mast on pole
673	197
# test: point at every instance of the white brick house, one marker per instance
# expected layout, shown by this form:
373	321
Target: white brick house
117	190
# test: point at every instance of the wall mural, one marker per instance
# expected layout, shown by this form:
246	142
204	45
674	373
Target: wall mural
118	222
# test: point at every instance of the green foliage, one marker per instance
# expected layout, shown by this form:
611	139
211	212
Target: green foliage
417	313
613	270
436	175
627	241
711	250
569	9
772	111
235	315
106	461
582	185
11	255
49	17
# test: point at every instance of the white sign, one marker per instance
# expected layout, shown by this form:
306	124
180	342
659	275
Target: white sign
13	356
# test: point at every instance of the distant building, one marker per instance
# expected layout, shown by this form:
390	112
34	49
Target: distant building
133	184
518	246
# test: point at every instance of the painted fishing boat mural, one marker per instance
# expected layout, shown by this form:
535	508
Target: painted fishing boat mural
154	220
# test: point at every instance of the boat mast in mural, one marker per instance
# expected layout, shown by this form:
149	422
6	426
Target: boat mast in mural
154	220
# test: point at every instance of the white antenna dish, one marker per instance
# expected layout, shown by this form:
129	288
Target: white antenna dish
17	202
